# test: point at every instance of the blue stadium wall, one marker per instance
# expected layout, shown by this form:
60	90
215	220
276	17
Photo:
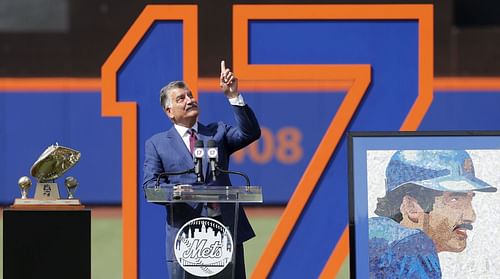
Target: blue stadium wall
33	120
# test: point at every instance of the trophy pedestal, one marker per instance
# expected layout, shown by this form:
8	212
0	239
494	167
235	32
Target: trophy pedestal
69	204
46	191
42	243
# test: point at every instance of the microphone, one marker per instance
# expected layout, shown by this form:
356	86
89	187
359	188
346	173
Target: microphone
198	157
212	157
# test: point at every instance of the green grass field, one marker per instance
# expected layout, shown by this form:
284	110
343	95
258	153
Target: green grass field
264	227
106	247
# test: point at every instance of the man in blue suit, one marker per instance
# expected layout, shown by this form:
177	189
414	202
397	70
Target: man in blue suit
170	152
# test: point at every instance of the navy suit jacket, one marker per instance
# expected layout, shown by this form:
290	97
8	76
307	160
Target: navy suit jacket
166	152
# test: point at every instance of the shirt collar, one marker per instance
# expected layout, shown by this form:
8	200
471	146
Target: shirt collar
183	130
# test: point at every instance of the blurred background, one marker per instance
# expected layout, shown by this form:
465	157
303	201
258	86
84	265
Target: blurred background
63	38
73	38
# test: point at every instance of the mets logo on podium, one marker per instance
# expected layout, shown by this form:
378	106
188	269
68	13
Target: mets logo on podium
203	247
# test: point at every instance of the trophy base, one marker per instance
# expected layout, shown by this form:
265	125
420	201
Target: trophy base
33	204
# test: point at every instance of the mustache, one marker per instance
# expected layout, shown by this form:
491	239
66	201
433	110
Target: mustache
466	226
192	105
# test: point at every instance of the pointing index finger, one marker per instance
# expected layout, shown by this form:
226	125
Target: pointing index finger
222	66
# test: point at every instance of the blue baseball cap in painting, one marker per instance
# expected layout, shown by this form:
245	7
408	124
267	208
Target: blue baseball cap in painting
441	170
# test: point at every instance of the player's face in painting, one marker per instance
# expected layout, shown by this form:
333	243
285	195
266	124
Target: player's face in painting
448	222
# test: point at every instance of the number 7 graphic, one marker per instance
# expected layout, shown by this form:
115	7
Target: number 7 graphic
360	75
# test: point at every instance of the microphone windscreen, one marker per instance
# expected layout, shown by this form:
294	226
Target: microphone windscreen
198	143
211	143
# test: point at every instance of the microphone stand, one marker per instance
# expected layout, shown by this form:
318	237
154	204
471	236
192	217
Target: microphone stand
157	185
236	172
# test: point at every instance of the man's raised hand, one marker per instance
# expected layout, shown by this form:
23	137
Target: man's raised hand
228	81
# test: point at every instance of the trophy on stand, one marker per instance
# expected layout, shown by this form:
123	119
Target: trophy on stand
52	164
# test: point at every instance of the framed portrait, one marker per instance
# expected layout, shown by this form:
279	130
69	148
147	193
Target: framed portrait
424	204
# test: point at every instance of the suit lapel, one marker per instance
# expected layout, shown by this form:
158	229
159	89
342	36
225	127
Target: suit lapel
179	147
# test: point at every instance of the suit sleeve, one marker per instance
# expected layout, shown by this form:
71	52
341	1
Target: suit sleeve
152	165
246	131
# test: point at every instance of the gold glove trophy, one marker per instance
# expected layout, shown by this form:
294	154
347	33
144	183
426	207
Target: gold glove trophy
52	164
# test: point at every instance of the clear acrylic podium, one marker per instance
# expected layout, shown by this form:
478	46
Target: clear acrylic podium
201	246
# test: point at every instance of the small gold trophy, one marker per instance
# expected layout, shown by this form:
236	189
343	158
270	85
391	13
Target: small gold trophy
24	184
52	164
71	184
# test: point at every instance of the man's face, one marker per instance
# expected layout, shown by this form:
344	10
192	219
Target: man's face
448	222
184	110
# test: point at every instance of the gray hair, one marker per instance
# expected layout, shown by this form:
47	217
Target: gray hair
165	100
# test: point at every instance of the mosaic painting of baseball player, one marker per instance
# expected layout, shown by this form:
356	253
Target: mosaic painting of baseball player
427	209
